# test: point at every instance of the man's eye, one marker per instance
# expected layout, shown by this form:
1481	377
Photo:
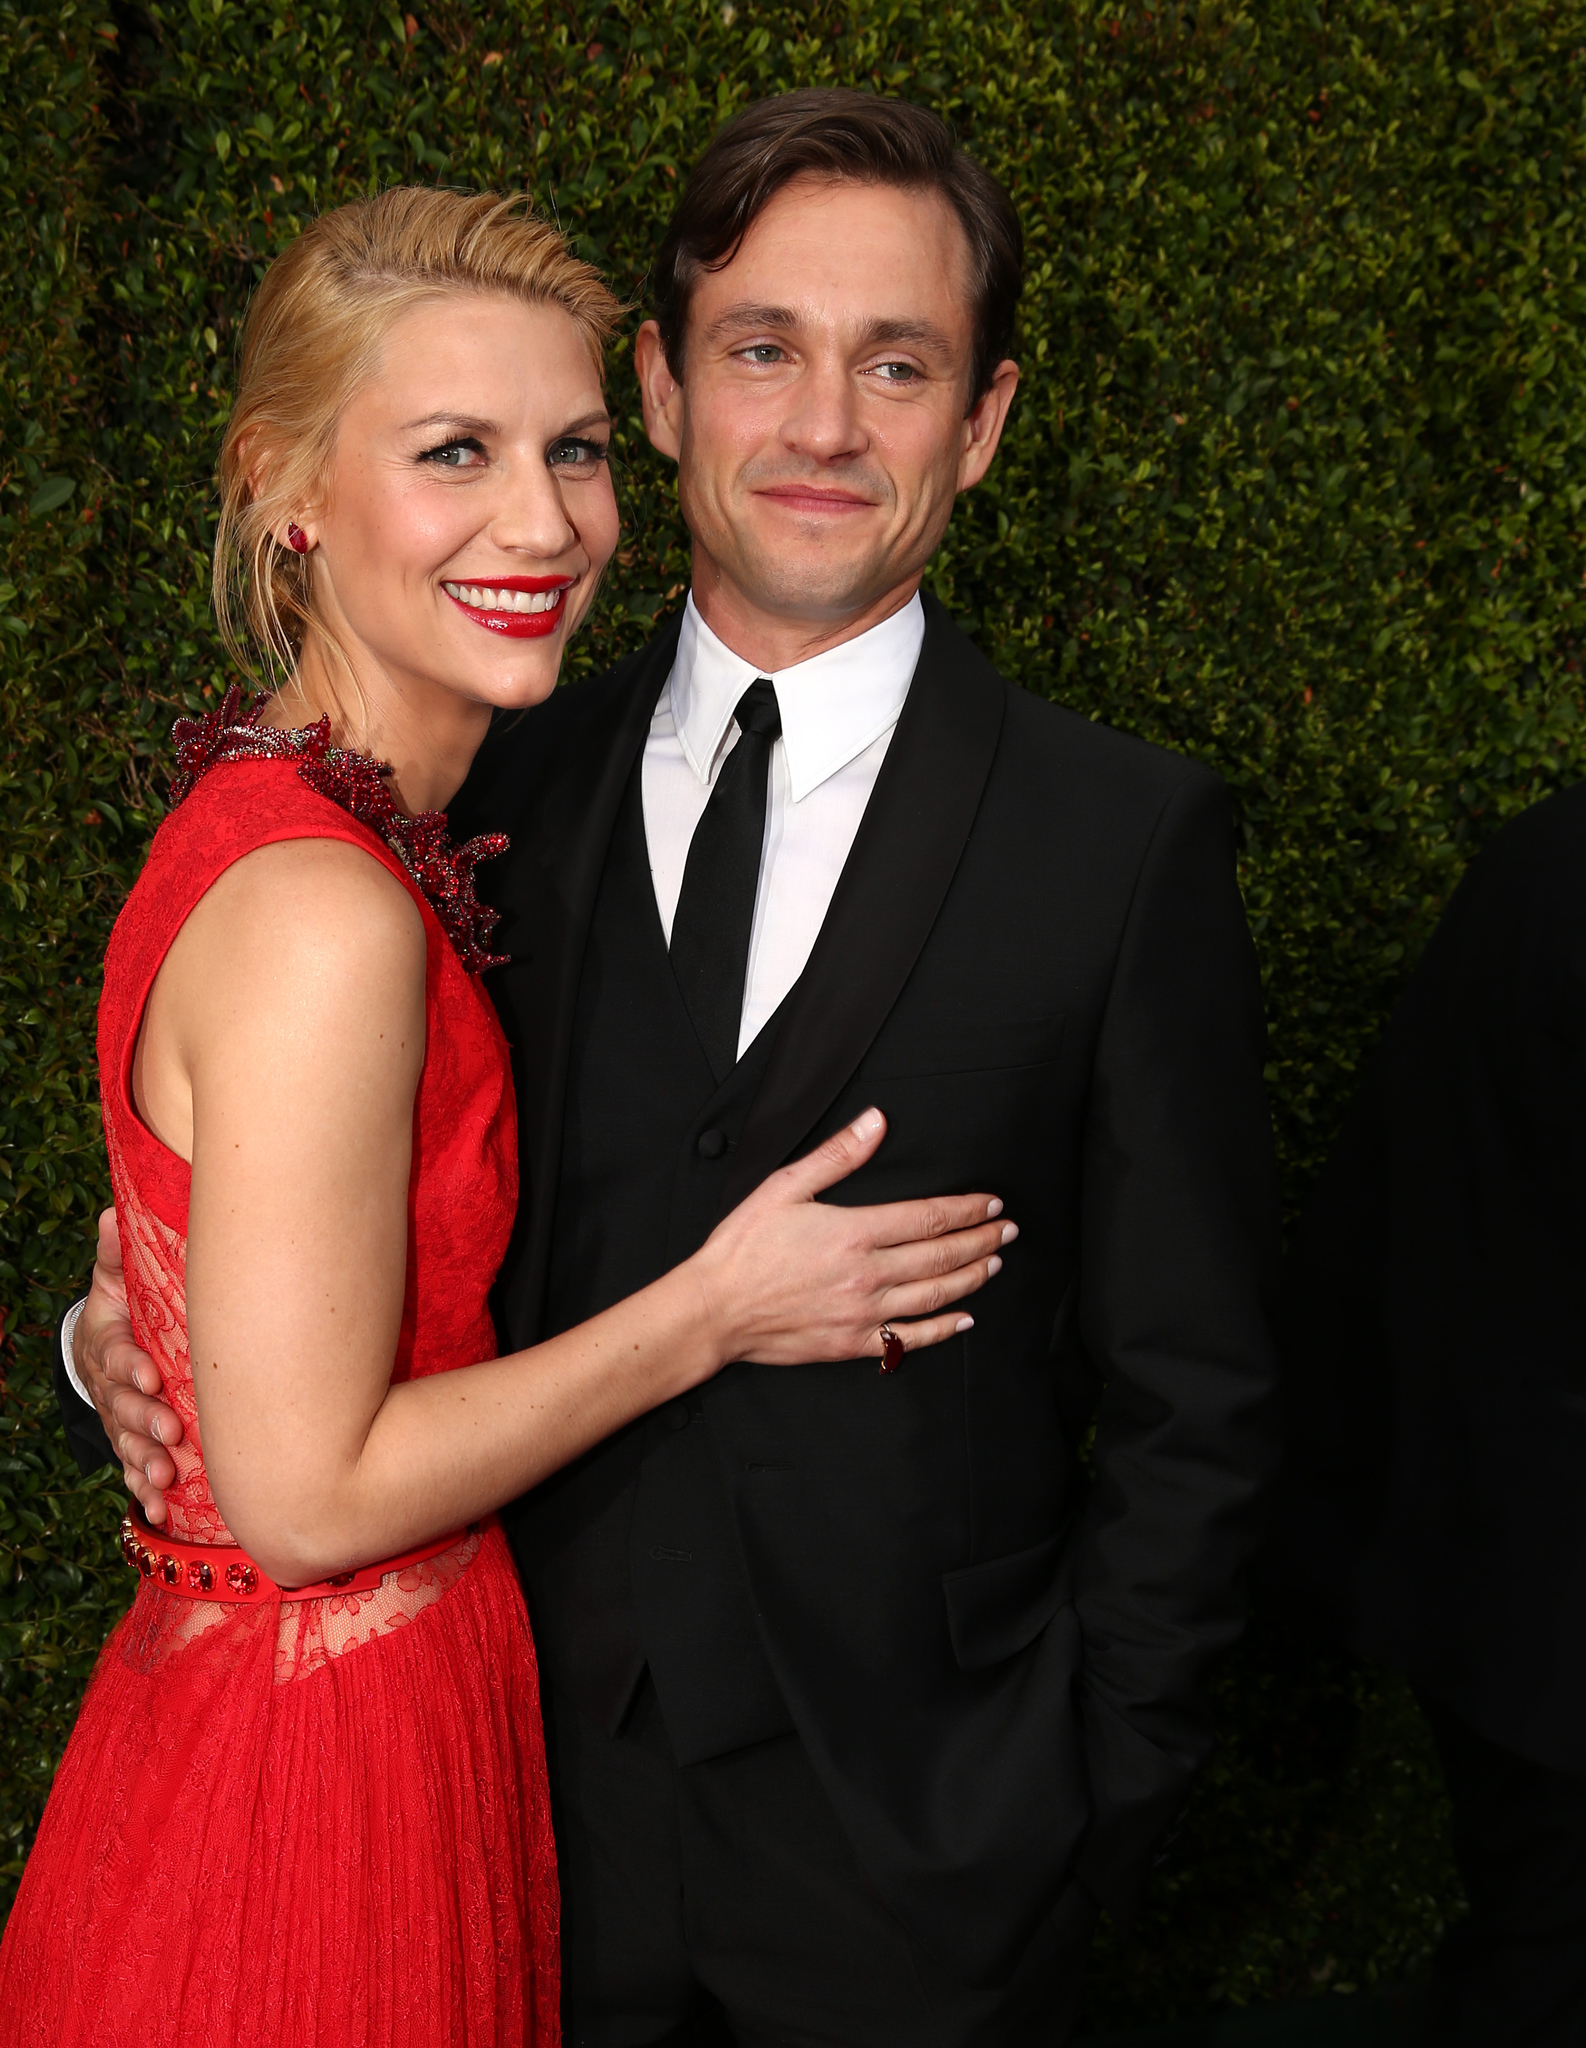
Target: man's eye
762	352
897	373
576	453
464	454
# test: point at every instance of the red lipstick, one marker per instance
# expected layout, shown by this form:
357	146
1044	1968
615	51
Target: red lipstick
507	619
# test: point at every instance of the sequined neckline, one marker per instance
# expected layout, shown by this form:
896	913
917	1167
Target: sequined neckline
442	873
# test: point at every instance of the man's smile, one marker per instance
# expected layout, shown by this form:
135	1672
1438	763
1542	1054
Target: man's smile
809	498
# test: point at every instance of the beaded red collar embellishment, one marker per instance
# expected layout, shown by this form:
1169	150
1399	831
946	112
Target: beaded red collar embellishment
444	874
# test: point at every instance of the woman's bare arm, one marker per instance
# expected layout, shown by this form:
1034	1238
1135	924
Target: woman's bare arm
284	1042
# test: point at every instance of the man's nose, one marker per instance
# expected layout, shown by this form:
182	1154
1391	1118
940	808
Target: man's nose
823	419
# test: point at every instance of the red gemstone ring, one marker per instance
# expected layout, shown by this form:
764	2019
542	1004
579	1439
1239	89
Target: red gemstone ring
891	1348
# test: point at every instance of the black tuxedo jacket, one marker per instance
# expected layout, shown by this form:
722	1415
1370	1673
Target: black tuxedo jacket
1036	963
1435	1315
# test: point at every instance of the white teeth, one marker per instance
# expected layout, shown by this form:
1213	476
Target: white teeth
484	599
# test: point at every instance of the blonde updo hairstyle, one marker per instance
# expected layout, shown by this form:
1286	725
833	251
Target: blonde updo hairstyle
313	336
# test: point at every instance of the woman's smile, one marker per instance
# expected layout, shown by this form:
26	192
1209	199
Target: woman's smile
522	607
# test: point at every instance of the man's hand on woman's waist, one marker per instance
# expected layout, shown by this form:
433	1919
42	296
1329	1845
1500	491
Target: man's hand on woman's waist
123	1382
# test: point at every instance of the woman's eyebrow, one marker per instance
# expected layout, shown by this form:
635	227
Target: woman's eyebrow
453	422
465	423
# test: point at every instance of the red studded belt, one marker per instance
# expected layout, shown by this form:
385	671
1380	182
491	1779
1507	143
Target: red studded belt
216	1571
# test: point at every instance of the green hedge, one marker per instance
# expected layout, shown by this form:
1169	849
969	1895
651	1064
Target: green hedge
1294	484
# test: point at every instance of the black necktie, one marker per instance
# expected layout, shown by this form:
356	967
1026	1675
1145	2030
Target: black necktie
715	911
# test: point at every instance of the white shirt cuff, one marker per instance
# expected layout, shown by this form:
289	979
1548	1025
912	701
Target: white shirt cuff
68	1330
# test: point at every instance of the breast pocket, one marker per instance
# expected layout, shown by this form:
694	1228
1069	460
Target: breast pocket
967	1045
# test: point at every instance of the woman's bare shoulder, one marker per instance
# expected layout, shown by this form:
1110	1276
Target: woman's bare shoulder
320	886
304	921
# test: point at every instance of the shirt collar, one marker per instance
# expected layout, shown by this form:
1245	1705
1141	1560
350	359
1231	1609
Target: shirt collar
833	706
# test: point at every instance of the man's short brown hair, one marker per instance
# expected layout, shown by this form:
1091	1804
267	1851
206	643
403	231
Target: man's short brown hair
838	133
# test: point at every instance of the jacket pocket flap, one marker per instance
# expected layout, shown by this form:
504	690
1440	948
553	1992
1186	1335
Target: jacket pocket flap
966	1046
995	1609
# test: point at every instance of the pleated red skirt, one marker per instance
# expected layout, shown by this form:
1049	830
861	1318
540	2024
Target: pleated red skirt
251	1843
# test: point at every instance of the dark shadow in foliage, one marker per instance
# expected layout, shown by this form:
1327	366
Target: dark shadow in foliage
1313	1853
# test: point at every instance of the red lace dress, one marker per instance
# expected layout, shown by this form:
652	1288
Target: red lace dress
315	1821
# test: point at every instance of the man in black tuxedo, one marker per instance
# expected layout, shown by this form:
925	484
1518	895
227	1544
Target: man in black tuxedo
861	1691
1435	1360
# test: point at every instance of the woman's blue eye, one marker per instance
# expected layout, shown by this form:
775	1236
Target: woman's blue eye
450	455
574	453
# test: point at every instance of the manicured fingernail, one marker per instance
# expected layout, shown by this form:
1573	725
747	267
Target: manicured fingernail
1009	1232
159	1435
965	1323
994	1207
867	1125
993	1264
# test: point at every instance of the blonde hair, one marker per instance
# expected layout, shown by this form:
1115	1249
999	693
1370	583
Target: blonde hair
313	336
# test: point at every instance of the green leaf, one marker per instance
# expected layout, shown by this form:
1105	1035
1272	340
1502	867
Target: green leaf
50	496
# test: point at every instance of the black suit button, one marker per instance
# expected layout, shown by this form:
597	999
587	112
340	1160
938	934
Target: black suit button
712	1144
675	1415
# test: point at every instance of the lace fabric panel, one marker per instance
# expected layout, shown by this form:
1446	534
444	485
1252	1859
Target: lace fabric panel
313	1631
155	1261
308	1632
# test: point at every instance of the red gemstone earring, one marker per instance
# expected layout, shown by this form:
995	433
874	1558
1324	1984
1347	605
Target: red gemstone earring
296	538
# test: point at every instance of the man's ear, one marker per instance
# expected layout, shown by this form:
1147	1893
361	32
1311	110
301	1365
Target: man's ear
983	425
659	390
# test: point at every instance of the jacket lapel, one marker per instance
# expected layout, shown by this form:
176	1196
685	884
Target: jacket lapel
547	898
903	859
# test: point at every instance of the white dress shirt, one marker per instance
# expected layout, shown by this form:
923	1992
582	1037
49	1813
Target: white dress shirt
839	711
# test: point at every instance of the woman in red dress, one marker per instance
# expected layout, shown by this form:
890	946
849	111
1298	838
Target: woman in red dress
305	1798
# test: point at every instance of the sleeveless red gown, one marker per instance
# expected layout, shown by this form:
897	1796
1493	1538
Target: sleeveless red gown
322	1821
